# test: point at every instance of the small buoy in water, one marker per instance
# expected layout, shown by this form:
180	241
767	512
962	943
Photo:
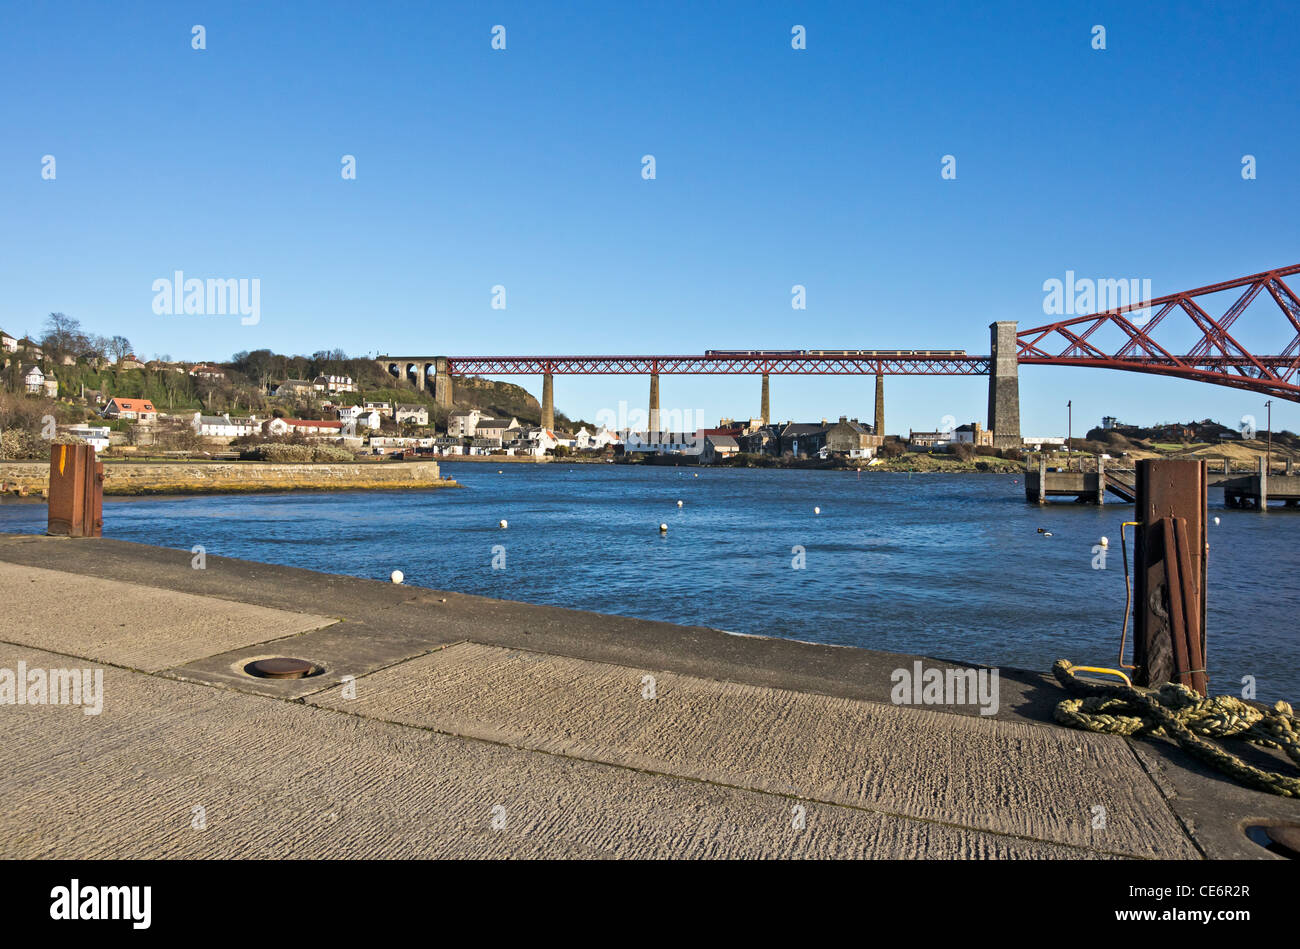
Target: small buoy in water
663	528
679	503
697	475
1105	542
499	471
817	510
397	576
1047	533
1216	521
503	523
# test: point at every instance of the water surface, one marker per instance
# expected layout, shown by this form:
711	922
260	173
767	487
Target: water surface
942	565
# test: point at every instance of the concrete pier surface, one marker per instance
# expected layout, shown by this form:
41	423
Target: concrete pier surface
445	725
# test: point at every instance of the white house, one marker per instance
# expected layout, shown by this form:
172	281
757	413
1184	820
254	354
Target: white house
95	435
463	424
223	426
8	343
33	379
415	414
331	384
586	441
312	428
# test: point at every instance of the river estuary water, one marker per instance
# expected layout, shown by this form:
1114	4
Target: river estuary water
951	566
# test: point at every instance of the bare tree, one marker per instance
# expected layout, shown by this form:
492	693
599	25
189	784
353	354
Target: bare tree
63	335
119	347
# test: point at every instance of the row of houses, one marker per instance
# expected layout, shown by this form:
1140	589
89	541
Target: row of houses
331	384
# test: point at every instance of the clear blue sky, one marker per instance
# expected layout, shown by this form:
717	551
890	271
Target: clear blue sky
775	167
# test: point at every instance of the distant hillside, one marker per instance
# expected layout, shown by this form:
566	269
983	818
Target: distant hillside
502	399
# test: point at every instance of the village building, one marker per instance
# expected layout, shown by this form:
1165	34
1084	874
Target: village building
96	436
293	388
332	384
463	424
141	410
311	428
719	448
33	379
494	428
413	413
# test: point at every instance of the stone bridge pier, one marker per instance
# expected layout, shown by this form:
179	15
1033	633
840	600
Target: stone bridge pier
1004	385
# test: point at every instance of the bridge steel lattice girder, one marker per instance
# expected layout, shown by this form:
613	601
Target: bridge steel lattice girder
1216	357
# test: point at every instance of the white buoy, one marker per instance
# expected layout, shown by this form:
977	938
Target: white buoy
1105	542
1216	521
697	475
679	503
817	510
503	523
397	576
1047	533
663	528
499	471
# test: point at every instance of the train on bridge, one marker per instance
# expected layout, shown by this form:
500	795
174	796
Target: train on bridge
793	353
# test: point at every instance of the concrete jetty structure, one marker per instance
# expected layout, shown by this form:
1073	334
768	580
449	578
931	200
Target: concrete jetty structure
434	724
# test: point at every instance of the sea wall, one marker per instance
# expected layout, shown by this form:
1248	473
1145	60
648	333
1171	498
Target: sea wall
196	477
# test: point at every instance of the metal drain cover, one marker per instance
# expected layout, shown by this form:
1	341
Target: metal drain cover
280	668
1286	836
1281	839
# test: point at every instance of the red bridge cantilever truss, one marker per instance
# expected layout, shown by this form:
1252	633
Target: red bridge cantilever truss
1215	357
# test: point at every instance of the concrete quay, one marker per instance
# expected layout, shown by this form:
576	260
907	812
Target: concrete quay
446	725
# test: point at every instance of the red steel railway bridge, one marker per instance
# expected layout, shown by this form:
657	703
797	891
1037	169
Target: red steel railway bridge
1173	335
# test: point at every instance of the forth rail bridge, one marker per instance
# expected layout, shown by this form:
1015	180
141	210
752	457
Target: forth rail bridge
1136	345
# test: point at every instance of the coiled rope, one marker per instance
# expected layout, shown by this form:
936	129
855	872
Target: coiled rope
1182	714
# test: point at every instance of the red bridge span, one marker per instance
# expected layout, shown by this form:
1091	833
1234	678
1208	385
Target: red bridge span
1173	335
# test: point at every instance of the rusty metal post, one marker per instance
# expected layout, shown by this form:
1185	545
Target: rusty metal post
1170	574
76	505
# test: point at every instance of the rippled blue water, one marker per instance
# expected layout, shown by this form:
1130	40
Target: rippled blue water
942	565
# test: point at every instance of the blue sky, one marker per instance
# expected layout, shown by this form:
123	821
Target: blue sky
775	167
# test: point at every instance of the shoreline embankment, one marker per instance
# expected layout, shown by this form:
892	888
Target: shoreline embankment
125	478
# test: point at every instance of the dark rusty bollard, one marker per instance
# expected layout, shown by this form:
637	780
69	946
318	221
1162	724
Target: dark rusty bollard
1170	573
76	505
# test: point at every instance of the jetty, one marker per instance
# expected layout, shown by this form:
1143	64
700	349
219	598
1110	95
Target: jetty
1089	480
413	722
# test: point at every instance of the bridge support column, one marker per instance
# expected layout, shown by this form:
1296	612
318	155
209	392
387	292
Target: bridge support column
1004	385
548	401
765	409
442	393
878	427
419	374
654	402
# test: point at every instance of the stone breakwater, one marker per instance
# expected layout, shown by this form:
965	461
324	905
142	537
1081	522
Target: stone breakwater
131	478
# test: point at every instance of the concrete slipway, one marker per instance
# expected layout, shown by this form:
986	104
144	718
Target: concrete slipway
481	728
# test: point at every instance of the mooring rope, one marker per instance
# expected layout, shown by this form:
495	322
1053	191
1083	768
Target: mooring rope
1182	714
